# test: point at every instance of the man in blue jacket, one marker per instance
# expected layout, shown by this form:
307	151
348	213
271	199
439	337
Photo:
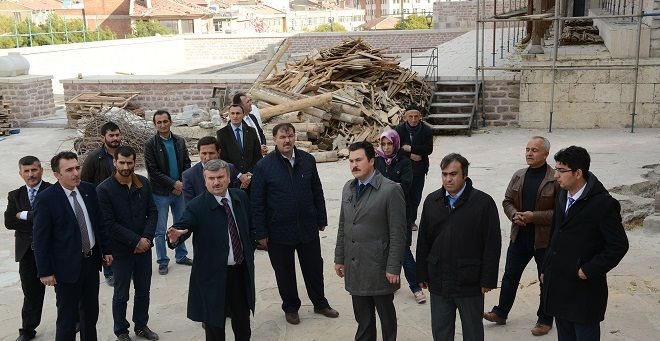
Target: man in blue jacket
128	212
288	209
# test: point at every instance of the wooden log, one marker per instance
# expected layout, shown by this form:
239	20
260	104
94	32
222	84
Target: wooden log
301	136
269	67
271	98
309	127
270	112
313	135
289	117
330	156
305	144
348	118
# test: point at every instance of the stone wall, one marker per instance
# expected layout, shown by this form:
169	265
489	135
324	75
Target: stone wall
453	15
590	98
29	96
502	102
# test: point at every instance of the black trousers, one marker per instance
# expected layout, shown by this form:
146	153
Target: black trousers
443	317
365	307
570	331
138	268
236	307
311	265
33	294
415	197
79	297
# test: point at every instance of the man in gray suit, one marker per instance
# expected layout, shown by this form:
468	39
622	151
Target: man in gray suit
370	243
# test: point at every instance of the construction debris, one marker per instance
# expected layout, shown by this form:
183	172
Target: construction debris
347	93
5	112
88	104
580	32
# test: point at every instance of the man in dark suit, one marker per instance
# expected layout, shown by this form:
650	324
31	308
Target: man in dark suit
222	277
417	144
240	145
18	217
193	178
252	118
286	181
69	247
587	240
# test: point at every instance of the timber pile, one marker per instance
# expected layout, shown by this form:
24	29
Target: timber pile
5	112
88	104
580	32
347	93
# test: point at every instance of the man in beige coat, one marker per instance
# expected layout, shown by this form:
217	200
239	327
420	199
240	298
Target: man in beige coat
370	243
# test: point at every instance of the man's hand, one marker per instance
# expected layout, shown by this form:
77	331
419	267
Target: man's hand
143	245
392	278
339	269
245	180
518	220
48	280
18	215
263	243
485	290
406	148
322	228
176	192
423	285
178	185
581	274
107	260
526	217
415	157
264	149
174	234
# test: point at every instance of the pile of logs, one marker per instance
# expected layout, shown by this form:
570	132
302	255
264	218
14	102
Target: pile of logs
88	104
5	113
347	93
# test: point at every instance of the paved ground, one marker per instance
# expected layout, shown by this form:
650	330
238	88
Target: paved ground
634	306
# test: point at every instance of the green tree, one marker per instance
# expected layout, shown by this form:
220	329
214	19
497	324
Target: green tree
55	30
414	22
336	27
144	28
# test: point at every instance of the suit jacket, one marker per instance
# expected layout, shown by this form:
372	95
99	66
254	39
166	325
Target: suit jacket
246	159
193	181
371	236
206	221
590	237
57	243
18	201
95	168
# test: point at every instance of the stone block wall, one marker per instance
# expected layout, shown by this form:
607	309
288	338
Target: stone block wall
452	15
502	102
590	98
29	96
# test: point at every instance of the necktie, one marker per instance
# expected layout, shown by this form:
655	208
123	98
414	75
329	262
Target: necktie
238	138
360	189
82	224
31	194
233	233
571	201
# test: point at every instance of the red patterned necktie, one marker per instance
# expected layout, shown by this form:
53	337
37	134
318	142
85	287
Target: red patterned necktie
233	233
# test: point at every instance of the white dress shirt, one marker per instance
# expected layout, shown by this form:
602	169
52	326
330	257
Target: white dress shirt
90	230
23	215
248	120
230	256
575	197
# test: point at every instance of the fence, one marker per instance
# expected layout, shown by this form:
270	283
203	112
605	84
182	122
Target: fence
54	30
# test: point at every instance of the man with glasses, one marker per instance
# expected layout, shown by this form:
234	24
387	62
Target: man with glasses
528	202
587	241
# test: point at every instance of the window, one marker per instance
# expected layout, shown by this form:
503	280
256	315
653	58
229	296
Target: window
217	25
171	25
187	26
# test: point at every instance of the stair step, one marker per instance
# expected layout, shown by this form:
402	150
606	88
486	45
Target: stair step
454	83
451	105
441	116
449	126
454	93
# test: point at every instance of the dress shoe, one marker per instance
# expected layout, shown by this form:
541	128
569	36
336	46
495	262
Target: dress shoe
493	317
25	337
146	333
292	318
124	337
327	312
185	261
541	329
162	270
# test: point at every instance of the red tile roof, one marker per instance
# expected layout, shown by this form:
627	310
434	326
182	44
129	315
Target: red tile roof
41	4
168	8
380	23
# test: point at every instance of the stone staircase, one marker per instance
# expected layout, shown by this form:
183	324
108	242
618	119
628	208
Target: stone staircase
453	106
655	31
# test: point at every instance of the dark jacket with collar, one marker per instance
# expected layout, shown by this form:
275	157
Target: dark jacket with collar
545	203
260	131
399	171
288	205
194	184
458	250
245	159
57	242
156	162
18	201
423	146
95	169
128	214
592	238
206	220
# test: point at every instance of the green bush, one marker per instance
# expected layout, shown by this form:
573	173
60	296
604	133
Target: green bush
144	28
336	27
414	22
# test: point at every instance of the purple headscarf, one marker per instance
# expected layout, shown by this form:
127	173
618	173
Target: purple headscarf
396	141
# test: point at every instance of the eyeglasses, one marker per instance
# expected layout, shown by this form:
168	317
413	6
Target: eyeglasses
563	170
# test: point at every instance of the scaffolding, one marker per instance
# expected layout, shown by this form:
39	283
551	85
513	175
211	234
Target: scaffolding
616	8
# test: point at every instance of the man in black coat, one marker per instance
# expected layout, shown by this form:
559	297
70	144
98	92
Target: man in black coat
252	118
222	277
240	145
69	246
458	251
587	241
193	178
288	209
129	214
18	217
416	144
99	166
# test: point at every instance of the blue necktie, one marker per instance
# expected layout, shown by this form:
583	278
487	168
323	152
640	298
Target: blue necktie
571	201
32	193
360	190
238	138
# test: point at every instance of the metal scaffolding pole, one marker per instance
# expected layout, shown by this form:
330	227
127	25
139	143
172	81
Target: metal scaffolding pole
637	45
554	65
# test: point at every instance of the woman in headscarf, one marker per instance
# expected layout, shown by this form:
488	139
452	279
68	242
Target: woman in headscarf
398	168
